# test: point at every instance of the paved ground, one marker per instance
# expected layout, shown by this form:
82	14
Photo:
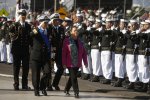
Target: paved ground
88	90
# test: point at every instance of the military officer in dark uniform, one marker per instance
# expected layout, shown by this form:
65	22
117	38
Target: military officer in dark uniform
67	23
20	36
40	56
58	35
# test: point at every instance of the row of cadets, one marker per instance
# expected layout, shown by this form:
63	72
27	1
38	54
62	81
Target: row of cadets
3	53
6	46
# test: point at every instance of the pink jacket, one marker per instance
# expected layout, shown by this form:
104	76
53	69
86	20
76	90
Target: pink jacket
66	54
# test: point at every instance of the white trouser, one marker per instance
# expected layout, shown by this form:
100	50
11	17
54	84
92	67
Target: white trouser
9	55
96	62
119	66
143	69
131	67
87	70
3	52
106	64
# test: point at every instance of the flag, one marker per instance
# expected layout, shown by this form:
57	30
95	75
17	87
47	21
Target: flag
67	3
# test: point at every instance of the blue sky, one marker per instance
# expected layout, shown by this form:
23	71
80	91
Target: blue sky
141	2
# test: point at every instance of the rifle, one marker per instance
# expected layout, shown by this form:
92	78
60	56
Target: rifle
146	55
111	49
124	52
134	53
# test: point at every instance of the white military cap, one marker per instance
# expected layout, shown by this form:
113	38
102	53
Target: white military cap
22	12
79	15
67	19
98	11
147	21
43	18
133	21
98	20
91	19
9	20
103	15
112	11
123	20
108	20
143	23
55	16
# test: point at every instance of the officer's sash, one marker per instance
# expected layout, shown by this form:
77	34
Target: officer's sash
46	40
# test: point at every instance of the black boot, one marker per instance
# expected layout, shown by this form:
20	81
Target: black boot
130	85
16	86
76	95
148	88
95	79
145	86
67	92
36	93
85	76
44	92
49	88
106	81
118	83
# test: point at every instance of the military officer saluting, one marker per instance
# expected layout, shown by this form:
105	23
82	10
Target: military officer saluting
40	56
20	37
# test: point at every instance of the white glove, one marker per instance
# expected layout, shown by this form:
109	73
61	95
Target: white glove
124	31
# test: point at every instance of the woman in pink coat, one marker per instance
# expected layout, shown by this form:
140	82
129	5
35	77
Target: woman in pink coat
72	54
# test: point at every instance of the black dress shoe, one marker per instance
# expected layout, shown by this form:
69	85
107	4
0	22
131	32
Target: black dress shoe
67	92
76	95
36	93
44	92
26	88
57	88
50	88
16	87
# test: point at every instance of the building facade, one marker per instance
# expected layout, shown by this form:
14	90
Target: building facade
39	5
